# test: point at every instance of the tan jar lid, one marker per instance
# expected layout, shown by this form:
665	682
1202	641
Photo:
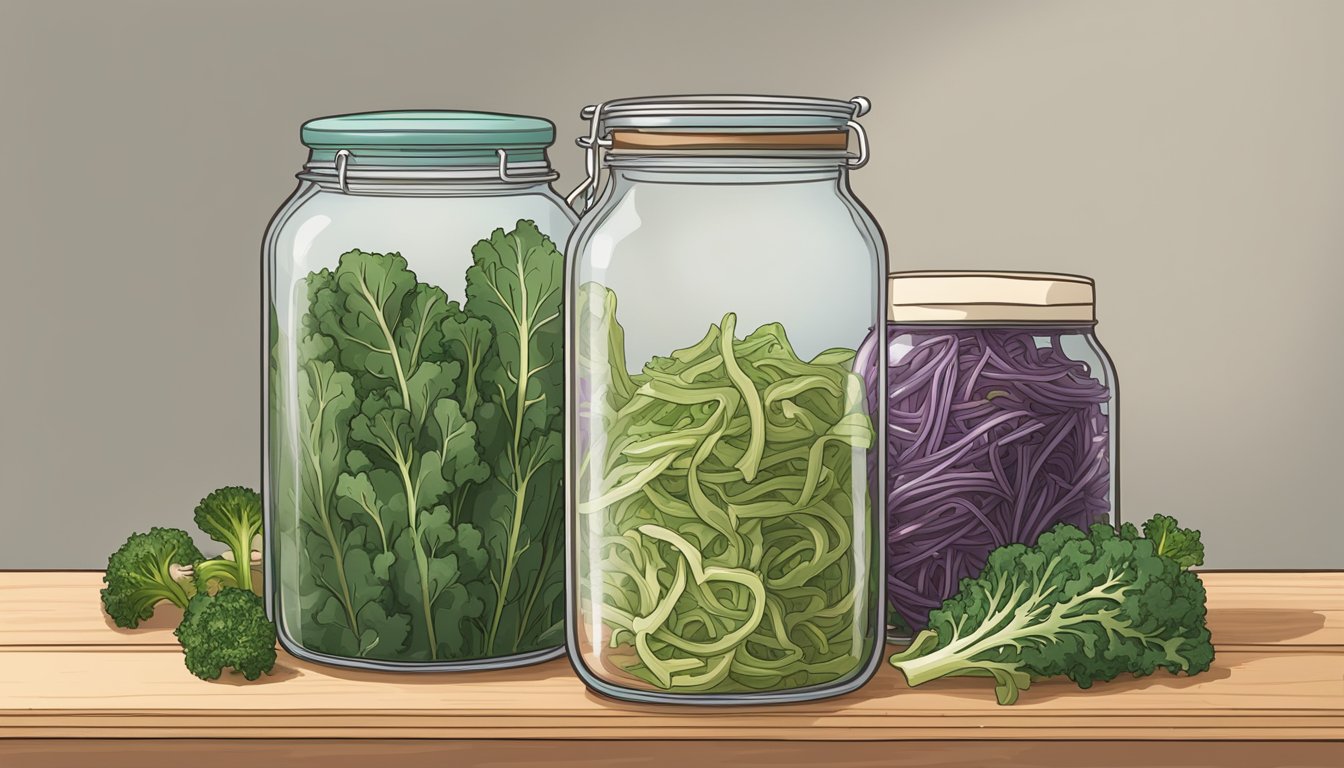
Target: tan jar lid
1036	297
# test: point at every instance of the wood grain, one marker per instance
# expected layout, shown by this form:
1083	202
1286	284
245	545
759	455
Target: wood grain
425	753
66	673
146	693
61	608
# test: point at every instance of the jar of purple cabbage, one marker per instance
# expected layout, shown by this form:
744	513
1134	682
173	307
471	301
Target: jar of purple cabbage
1001	424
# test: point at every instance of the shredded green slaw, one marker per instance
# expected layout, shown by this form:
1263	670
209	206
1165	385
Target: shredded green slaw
719	491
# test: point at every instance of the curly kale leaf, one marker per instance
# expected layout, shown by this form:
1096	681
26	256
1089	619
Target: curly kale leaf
414	551
1087	606
440	563
1171	540
326	403
366	499
515	287
383	323
468	340
431	460
411	451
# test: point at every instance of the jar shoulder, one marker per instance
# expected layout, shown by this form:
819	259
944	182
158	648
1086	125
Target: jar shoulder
786	218
315	224
310	201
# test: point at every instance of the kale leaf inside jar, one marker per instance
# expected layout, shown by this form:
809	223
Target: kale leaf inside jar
427	458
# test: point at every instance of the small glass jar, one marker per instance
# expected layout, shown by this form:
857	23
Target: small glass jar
414	391
722	453
1001	424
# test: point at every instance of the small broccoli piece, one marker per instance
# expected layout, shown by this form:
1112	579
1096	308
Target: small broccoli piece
149	569
227	629
231	516
1087	606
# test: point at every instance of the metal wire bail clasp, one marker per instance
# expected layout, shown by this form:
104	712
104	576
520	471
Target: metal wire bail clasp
520	178
861	107
342	165
593	144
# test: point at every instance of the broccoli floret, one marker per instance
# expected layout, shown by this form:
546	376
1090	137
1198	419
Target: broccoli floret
231	516
227	629
1088	606
149	569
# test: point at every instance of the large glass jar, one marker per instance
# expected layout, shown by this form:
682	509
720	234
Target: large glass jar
1001	424
722	454
414	395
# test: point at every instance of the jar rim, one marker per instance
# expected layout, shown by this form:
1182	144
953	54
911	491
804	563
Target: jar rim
720	111
787	161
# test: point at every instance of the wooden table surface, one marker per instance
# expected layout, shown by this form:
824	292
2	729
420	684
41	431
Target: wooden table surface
72	684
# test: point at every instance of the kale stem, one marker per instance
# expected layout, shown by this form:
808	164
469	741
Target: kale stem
421	560
508	564
337	553
541	574
391	345
521	322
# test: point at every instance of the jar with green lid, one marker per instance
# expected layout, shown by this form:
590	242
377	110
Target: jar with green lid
723	456
414	392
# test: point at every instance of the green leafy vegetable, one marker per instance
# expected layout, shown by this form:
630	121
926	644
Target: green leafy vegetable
150	568
231	516
1087	606
228	629
1179	544
419	479
720	495
515	285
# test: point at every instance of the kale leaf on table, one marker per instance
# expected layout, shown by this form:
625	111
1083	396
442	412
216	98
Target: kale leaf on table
1086	606
427	456
1173	541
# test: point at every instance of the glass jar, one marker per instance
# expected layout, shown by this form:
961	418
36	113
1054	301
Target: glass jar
722	454
412	431
1001	424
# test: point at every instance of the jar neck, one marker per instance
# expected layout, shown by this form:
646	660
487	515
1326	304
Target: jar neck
424	184
1041	326
507	177
687	168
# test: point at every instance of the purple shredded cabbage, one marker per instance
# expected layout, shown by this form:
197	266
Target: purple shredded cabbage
991	440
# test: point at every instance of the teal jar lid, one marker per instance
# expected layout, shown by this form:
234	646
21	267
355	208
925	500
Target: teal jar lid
428	138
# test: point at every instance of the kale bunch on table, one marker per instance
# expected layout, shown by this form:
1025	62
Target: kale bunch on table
429	456
1087	606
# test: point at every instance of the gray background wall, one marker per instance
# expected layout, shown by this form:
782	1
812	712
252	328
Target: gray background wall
1189	155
